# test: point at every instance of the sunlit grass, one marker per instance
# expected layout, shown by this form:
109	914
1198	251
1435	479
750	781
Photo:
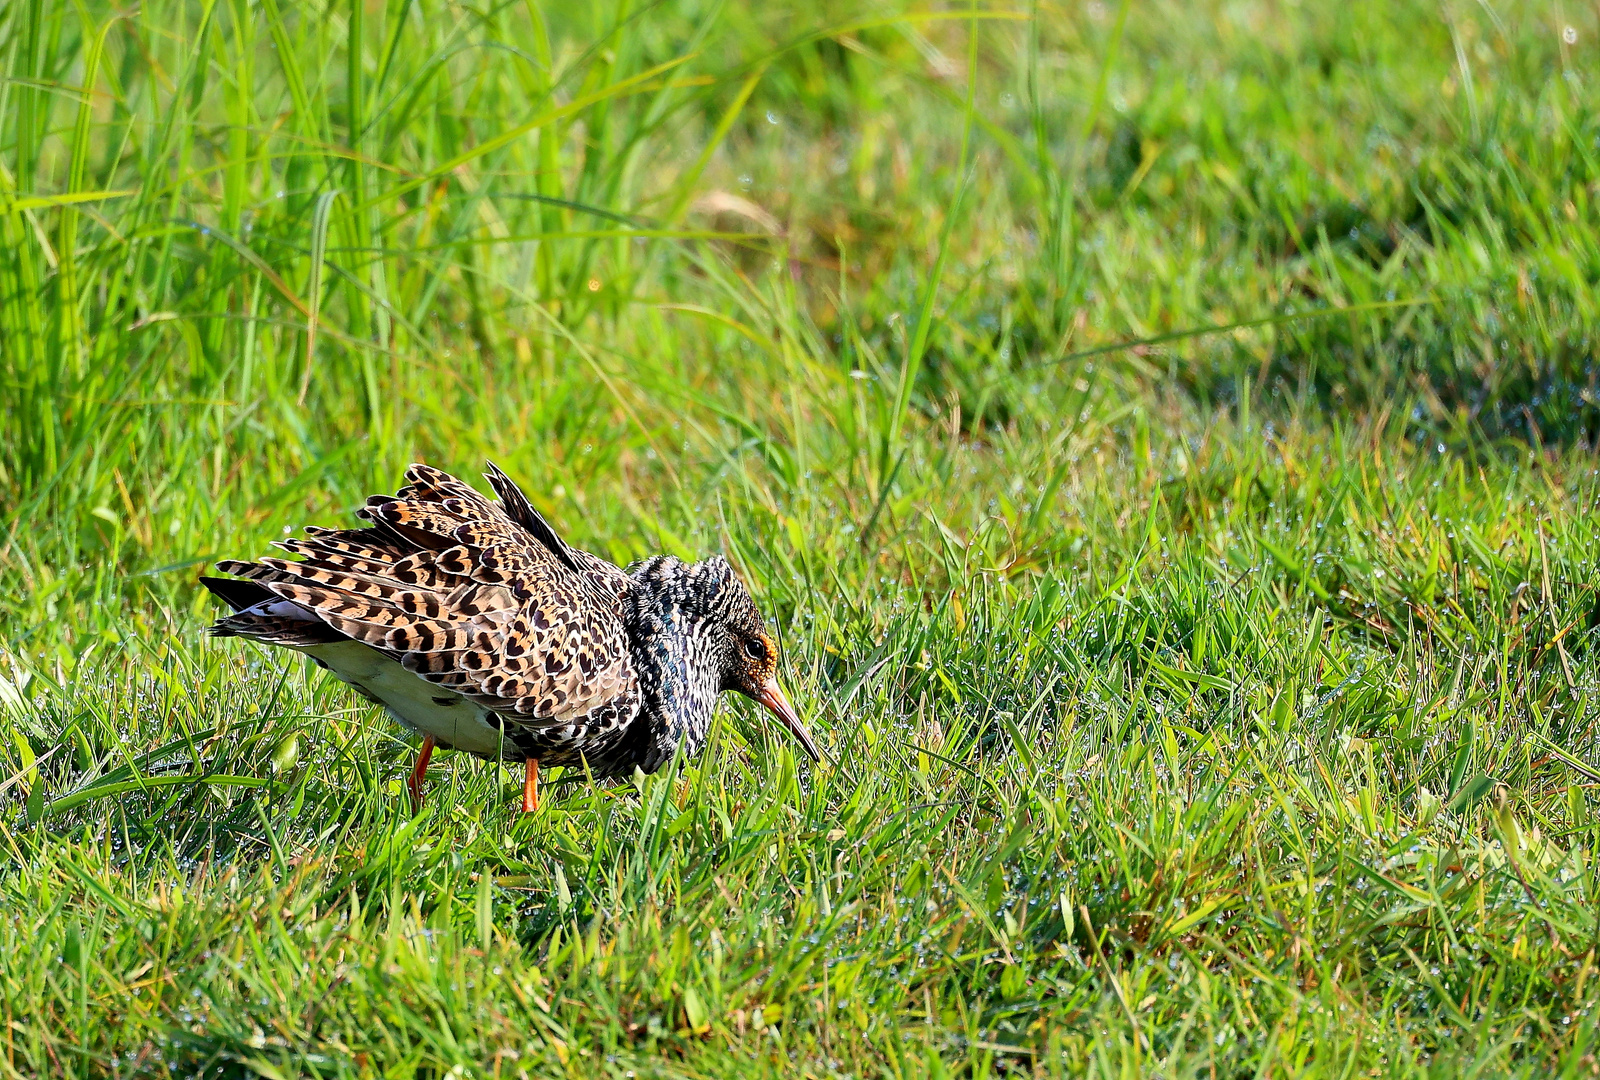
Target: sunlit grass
1218	705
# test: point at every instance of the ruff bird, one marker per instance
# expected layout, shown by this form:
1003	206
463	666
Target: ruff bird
471	621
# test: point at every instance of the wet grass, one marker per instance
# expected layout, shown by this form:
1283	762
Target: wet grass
1199	701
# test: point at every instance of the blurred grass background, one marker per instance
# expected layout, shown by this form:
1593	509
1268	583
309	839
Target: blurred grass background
1162	434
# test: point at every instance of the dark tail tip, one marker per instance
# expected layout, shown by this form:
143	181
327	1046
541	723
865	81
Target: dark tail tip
237	594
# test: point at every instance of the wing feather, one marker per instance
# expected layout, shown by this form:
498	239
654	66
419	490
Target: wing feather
601	575
476	596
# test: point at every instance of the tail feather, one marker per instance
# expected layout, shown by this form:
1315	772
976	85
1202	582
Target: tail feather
237	594
293	631
261	616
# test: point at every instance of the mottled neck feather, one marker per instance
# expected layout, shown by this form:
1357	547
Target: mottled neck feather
675	658
680	688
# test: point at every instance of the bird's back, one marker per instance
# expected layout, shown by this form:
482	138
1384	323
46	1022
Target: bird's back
511	638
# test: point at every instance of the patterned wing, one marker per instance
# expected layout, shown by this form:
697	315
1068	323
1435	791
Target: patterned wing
605	577
462	591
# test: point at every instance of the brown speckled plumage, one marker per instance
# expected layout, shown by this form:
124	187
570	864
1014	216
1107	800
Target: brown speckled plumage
536	651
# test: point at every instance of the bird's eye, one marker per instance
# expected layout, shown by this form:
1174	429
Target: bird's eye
754	649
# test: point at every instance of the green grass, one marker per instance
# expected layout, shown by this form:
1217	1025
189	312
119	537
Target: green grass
1220	705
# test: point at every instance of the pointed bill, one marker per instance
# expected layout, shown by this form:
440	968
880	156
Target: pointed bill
773	698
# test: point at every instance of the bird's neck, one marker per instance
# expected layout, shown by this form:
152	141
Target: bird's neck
677	677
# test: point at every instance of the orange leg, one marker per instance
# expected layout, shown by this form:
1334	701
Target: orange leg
419	770
530	787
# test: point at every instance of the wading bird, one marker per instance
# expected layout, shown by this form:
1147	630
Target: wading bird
474	623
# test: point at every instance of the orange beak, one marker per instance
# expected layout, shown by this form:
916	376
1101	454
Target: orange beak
771	695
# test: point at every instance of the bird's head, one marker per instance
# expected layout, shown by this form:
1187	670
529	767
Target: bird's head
738	647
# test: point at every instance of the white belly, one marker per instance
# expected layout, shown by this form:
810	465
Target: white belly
413	700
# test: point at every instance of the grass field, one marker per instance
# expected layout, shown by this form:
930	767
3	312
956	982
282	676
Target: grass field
1163	437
